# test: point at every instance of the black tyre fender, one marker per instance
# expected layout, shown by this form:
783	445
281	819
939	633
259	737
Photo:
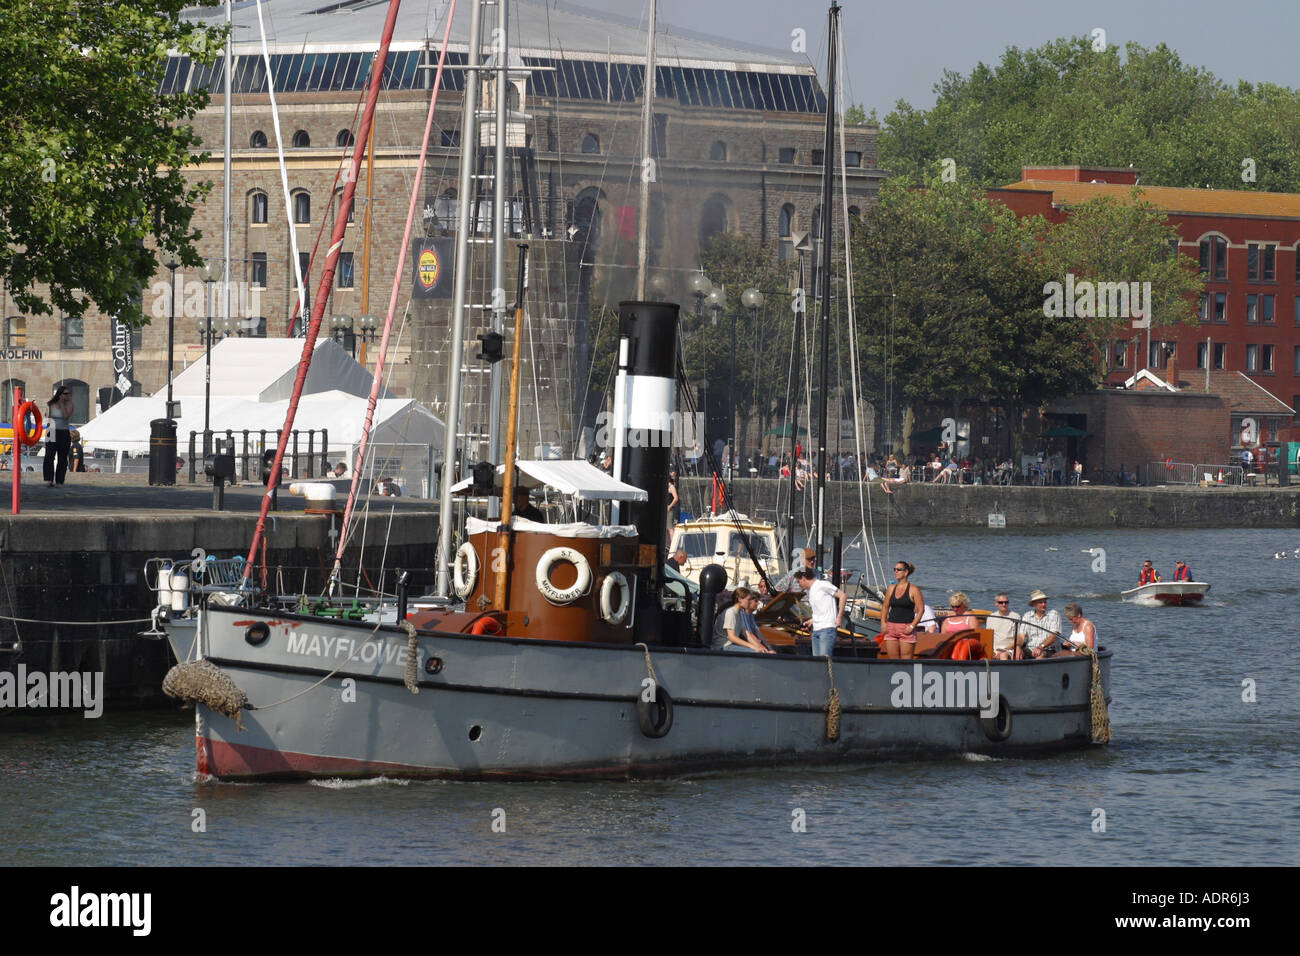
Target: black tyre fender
998	727
655	717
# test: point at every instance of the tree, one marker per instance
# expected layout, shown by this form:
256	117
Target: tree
1067	103
91	154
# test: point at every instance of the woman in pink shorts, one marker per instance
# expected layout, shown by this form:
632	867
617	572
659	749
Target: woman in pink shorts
901	613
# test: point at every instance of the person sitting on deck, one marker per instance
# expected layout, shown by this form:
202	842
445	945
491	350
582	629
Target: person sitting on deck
1148	575
961	619
736	629
1182	572
678	560
1041	627
524	508
1005	624
1084	632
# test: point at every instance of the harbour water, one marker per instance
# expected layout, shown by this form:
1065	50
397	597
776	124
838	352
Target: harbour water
1202	769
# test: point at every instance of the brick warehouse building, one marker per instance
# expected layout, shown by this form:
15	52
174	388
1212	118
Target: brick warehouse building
1248	247
738	135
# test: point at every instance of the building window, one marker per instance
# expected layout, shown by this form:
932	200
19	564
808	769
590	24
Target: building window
786	220
444	210
73	330
1260	261
345	271
15	332
1220	307
8	385
1121	354
301	207
659	141
1266	358
258	212
1252	309
818	157
1297	370
339	204
1252	358
1266	310
718	151
852	158
591	143
1202	354
1295	309
1220	356
257	327
1203	308
785	155
257	270
257	140
344	138
301	139
713	218
855	212
1159	353
1214	257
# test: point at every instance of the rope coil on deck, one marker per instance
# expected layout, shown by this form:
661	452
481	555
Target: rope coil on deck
203	682
1099	717
832	706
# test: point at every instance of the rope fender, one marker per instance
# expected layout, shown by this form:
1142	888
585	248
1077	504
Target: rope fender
832	706
1098	715
205	683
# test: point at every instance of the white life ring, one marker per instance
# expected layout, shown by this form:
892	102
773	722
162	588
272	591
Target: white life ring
464	570
543	577
611	614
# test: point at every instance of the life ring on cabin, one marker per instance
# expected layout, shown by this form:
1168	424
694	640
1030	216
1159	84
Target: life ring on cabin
547	562
998	727
464	570
487	624
25	437
1169	464
655	717
612	614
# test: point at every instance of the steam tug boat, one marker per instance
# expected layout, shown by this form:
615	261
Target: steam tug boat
574	656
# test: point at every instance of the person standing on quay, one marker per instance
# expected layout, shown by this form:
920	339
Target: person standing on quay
61	437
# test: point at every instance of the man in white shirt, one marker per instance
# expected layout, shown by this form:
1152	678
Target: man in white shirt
1041	628
1004	623
827	603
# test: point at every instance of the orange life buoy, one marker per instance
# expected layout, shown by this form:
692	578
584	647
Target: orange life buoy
485	625
1169	464
24	436
967	649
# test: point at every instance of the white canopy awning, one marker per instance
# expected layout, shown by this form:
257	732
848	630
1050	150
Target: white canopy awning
577	478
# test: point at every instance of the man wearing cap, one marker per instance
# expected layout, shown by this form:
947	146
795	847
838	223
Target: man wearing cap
1041	628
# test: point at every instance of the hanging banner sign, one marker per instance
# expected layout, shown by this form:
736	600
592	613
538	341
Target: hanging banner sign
123	359
433	263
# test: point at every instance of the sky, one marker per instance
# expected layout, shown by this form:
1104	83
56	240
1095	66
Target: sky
900	50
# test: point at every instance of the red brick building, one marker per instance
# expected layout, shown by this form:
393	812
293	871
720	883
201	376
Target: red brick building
1247	246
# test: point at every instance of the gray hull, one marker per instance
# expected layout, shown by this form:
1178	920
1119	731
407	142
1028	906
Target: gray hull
499	707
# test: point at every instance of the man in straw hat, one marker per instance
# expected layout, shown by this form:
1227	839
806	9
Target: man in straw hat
1041	628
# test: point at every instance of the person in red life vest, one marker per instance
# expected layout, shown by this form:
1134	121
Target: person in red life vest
1182	572
1148	575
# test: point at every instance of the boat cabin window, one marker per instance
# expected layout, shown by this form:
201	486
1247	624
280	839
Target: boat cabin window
699	544
759	543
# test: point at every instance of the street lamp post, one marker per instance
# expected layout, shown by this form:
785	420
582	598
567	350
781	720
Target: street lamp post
752	300
172	264
341	328
717	301
369	325
212	271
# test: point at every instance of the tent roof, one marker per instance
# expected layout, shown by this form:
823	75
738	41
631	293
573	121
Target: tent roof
263	370
578	478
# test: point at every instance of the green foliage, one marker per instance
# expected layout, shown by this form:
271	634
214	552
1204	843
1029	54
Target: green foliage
1066	104
855	115
91	156
951	302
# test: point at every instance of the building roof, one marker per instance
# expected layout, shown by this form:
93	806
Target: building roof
536	28
1192	202
1242	394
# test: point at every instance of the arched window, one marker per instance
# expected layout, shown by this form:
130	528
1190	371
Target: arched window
718	151
338	203
344	138
816	233
855	212
301	207
16	332
713	217
7	396
301	139
584	223
1214	257
80	399
257	140
257	207
785	222
590	144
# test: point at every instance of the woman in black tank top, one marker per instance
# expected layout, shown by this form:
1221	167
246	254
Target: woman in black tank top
901	613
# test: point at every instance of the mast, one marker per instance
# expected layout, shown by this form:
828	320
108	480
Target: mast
225	203
500	46
828	168
468	145
326	282
647	161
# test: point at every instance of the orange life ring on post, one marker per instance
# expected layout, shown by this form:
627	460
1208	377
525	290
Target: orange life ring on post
20	424
1169	464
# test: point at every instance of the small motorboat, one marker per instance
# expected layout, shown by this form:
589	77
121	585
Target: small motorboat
1168	592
